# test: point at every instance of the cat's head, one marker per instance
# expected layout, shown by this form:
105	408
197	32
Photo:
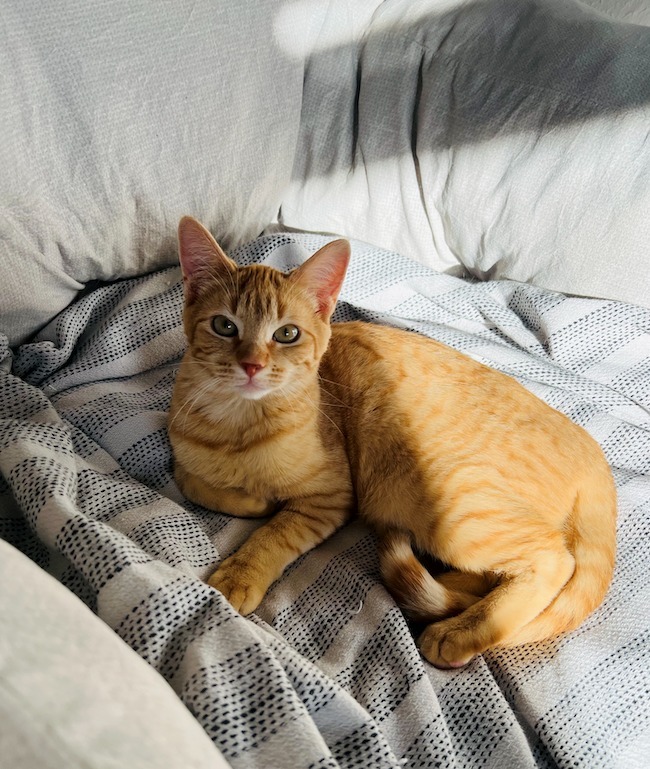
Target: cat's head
255	329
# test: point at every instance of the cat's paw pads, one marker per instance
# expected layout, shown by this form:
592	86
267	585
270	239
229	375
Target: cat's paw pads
238	585
443	647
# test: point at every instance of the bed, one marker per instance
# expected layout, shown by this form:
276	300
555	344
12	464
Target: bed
490	163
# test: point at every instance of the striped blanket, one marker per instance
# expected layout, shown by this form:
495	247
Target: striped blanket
326	673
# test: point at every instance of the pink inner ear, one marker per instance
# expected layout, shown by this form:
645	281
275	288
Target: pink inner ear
200	254
196	246
323	274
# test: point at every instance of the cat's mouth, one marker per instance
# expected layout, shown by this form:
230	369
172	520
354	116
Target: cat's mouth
252	389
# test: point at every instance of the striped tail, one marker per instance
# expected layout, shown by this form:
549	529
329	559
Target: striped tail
416	592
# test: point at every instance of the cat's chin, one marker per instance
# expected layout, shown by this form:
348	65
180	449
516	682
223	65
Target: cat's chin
253	392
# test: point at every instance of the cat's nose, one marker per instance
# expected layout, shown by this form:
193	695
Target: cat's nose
251	368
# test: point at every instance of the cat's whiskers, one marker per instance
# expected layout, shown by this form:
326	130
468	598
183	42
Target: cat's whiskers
341	403
189	403
293	411
319	409
225	367
338	384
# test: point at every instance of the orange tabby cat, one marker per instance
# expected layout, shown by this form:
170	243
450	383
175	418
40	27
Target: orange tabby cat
274	409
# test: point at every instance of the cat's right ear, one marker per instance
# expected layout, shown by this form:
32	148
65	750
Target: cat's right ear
202	259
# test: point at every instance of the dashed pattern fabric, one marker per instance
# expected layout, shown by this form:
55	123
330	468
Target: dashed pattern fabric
326	674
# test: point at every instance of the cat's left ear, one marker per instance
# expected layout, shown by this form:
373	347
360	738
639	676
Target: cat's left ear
323	273
201	256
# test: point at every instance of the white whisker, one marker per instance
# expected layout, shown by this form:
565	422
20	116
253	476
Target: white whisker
189	402
337	384
320	410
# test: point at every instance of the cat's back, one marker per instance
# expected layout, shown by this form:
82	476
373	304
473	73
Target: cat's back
412	402
370	358
395	380
415	373
383	384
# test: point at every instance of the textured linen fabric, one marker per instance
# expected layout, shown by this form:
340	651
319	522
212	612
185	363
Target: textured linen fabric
118	118
504	138
630	11
72	694
326	673
507	138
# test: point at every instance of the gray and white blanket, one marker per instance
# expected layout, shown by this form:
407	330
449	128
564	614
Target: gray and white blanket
326	673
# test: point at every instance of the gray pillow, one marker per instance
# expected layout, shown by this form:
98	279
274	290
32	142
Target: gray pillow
117	118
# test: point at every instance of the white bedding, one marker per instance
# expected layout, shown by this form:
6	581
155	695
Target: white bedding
326	674
499	138
505	138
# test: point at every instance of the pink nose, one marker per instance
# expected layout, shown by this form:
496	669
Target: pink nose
251	368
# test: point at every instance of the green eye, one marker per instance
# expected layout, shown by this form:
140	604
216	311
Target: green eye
224	326
287	334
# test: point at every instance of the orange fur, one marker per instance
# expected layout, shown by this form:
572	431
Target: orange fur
433	449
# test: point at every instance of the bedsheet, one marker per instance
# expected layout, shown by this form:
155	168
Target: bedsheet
326	673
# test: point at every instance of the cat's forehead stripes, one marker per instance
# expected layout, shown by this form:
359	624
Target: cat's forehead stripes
260	293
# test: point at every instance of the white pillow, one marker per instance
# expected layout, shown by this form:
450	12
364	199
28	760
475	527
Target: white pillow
504	138
73	694
118	118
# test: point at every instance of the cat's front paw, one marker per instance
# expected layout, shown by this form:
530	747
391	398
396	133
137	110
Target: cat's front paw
445	646
239	584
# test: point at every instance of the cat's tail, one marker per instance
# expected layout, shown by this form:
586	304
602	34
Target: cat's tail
416	591
591	537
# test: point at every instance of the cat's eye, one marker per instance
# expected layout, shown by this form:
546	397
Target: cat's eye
224	326
287	334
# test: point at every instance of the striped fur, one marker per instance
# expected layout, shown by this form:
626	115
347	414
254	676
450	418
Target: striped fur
436	452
